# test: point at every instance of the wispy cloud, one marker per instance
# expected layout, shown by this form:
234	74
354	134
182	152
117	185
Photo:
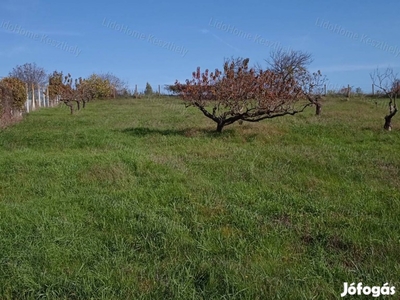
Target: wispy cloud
59	33
13	51
11	7
18	6
206	31
41	32
350	68
222	41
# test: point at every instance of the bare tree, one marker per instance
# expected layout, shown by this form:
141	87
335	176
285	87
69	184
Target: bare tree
290	64
148	91
30	73
293	65
119	86
388	83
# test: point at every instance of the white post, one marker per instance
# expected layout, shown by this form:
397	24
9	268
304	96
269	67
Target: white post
39	100
33	97
27	98
47	96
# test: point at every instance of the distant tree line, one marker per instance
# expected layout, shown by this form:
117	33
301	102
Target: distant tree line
236	93
27	77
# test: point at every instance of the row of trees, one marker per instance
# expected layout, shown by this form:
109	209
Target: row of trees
237	93
70	91
240	93
30	73
61	87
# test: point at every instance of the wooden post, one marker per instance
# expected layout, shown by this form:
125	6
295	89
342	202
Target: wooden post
48	98
136	93
324	89
348	91
373	92
159	90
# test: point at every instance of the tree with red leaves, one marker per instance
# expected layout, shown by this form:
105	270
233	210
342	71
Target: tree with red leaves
240	93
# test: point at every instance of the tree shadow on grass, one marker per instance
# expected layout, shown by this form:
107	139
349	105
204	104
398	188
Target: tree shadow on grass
188	132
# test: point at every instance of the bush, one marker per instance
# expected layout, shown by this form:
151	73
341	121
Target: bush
12	98
14	92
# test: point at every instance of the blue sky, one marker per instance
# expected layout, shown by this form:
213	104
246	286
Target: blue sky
160	41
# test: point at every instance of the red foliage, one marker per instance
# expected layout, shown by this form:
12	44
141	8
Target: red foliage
242	93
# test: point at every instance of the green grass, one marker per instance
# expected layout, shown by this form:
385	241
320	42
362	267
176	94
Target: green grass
141	199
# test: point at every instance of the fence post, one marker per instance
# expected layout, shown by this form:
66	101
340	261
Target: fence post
33	97
39	98
27	98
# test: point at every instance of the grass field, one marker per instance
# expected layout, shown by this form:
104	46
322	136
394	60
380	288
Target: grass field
140	199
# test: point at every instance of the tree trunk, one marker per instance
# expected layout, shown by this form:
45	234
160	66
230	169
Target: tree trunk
220	125
388	120
78	104
70	105
318	107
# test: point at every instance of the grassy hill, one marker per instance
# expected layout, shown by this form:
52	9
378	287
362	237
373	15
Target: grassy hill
141	199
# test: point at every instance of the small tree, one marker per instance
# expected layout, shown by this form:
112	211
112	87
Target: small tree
66	90
30	73
12	97
359	91
119	86
149	90
99	88
240	93
18	91
388	83
292	65
62	87
56	84
346	91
